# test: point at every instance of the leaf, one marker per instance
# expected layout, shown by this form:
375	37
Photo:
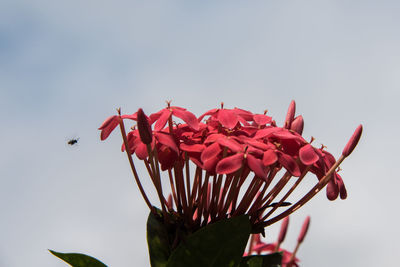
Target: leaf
220	244
157	241
270	260
78	260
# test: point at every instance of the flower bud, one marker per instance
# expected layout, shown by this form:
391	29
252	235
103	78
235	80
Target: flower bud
290	114
304	230
352	142
297	124
144	128
283	231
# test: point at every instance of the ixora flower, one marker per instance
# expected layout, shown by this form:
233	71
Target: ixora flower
231	174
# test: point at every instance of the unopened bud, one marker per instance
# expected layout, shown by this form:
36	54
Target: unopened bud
297	124
290	114
284	227
352	142
144	128
304	230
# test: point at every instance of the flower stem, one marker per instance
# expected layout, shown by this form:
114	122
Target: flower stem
322	183
128	153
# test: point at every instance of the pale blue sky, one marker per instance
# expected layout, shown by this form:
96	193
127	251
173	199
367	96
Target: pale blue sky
66	65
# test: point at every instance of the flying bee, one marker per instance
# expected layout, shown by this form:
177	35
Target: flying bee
73	141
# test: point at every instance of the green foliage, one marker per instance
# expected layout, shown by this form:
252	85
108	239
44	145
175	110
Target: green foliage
216	245
157	241
270	260
78	260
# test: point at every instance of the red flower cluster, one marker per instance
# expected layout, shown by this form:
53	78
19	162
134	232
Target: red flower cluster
228	147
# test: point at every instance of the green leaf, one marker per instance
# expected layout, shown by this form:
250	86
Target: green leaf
220	244
270	260
157	241
78	260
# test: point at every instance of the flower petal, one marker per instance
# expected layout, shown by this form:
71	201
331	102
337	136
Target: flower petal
261	119
187	117
342	188
167	140
210	164
108	126
210	112
162	120
269	157
332	190
290	164
266	132
210	152
141	151
256	166
230	164
230	143
167	158
307	154
192	148
227	118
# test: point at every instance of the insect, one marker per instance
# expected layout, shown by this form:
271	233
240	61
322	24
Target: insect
73	141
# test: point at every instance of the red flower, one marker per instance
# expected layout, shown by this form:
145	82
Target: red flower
238	158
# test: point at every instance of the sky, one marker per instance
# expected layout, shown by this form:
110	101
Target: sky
65	66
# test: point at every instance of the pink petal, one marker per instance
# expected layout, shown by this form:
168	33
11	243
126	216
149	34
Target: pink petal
257	144
266	132
342	188
131	117
255	151
167	158
141	151
213	138
210	164
210	152
179	108
210	112
243	121
307	154
167	140
245	114
353	141
108	126
192	148
261	119
187	117
332	190
162	120
155	116
230	164
230	143
227	118
290	164
256	166
285	134
269	157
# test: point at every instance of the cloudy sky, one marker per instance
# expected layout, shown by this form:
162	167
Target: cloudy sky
66	65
